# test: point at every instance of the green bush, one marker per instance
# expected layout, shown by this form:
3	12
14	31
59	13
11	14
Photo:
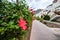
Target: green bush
38	18
45	17
10	13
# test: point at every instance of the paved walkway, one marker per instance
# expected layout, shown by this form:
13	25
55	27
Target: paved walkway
41	32
56	32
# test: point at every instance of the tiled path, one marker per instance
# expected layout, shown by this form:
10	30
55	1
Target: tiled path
41	32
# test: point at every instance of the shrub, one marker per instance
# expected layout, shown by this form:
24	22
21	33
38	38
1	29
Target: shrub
45	17
38	18
15	20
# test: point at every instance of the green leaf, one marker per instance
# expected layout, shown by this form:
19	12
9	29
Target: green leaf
1	21
14	39
14	15
2	32
9	17
1	29
11	26
4	23
11	22
17	27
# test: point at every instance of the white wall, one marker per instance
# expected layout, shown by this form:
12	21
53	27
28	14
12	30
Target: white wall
52	8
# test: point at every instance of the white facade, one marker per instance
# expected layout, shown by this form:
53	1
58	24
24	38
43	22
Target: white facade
51	8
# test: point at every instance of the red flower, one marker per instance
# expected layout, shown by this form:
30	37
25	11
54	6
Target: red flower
22	23
31	10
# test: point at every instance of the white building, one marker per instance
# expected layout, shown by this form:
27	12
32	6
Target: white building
51	8
44	11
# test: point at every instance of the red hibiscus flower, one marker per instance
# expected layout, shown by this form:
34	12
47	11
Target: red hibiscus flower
22	23
31	10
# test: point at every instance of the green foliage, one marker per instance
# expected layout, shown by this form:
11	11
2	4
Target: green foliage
45	17
38	18
9	14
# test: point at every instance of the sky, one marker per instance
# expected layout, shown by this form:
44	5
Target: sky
38	4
